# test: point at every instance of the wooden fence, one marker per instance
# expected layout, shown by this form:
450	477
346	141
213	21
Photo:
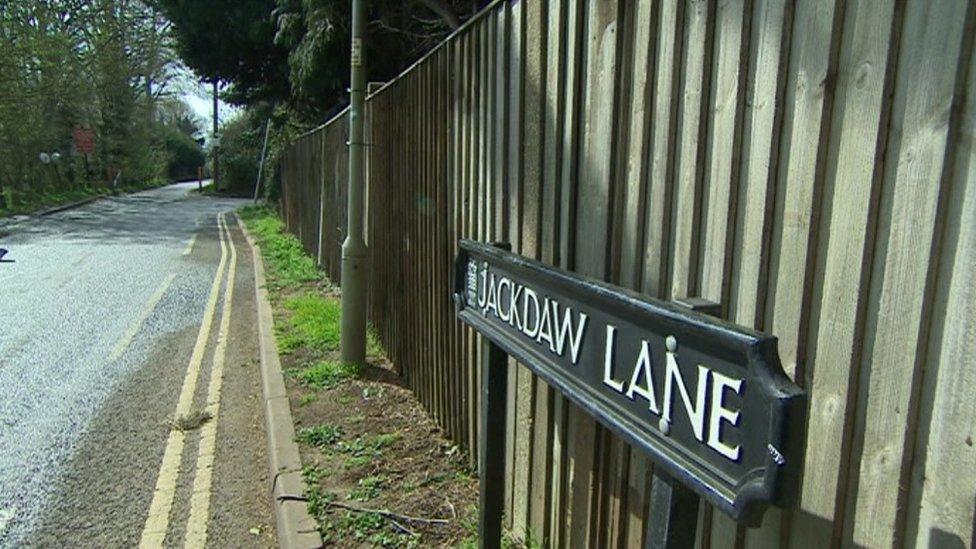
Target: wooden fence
808	164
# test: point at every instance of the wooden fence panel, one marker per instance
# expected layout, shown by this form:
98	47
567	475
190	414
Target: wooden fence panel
807	164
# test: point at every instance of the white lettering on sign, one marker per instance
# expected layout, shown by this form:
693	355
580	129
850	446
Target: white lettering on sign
720	414
643	369
559	328
532	317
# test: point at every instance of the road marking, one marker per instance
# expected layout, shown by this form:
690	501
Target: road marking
6	515
196	526
157	523
133	331
189	245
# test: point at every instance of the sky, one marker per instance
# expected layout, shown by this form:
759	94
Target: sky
199	97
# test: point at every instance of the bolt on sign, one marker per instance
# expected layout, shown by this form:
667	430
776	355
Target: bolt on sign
706	400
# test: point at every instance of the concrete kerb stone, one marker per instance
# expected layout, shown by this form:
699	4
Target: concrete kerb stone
296	528
63	207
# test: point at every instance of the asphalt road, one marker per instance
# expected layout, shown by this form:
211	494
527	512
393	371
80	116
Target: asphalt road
105	313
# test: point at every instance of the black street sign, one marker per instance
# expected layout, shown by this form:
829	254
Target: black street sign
706	400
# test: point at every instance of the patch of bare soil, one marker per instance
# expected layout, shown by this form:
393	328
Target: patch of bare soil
381	473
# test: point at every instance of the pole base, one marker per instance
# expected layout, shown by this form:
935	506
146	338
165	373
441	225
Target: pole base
355	283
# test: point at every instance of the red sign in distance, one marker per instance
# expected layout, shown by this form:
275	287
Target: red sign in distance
84	140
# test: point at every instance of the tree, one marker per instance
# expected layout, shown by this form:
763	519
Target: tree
316	34
232	41
98	64
296	52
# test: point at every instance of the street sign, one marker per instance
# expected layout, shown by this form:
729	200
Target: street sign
83	140
706	400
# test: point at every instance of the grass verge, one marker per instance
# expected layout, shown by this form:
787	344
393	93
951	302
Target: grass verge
380	472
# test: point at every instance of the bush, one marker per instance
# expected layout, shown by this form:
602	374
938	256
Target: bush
184	155
240	149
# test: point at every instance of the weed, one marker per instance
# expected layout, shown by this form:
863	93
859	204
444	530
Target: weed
389	539
318	501
192	421
386	439
361	525
369	488
433	479
313	474
325	374
307	399
355	447
372	447
322	436
464	474
355	462
356	419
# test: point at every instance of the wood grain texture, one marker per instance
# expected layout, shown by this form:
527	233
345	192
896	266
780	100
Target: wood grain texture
559	519
721	177
634	183
691	134
539	35
941	508
591	254
514	206
911	212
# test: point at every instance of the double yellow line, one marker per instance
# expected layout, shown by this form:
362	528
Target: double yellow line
157	522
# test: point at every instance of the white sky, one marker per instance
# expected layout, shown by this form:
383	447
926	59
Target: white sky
198	96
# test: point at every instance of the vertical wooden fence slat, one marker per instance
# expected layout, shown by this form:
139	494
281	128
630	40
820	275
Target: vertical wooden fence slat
443	266
473	209
551	46
513	169
484	204
459	393
940	508
592	254
565	251
634	180
615	460
530	46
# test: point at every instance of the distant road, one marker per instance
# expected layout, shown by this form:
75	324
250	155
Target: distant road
99	317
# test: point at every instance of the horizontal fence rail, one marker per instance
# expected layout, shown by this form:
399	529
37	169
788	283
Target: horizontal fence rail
809	165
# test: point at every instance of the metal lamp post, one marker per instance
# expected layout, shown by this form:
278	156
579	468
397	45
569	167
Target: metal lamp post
354	259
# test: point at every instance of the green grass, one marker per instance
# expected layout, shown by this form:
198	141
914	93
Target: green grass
374	347
307	399
288	264
314	324
322	436
325	374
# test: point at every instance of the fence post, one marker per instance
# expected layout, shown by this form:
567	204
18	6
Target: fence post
494	388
